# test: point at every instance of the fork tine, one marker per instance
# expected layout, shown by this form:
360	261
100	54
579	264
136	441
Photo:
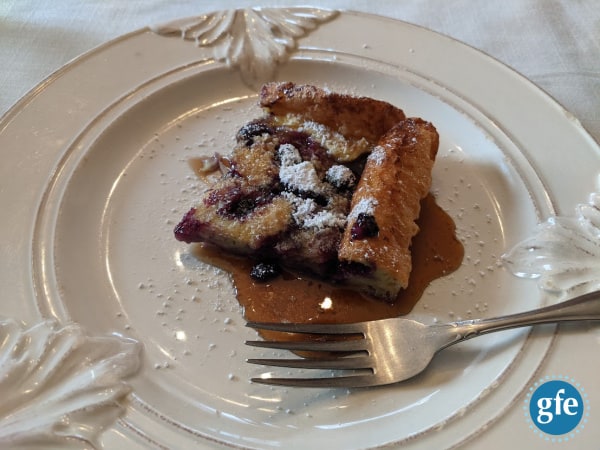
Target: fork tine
359	362
350	381
310	328
354	345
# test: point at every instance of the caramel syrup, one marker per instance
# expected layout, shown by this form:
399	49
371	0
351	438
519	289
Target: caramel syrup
291	297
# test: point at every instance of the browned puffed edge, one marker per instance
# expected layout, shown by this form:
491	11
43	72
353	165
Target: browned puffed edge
397	175
356	117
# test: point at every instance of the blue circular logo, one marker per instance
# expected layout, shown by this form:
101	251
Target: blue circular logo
557	408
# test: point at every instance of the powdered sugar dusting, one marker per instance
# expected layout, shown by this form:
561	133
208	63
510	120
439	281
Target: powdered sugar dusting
326	219
303	208
364	206
302	181
302	177
334	141
289	155
341	176
377	155
325	134
308	214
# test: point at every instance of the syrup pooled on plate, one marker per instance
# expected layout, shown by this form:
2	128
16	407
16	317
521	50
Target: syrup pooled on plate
293	297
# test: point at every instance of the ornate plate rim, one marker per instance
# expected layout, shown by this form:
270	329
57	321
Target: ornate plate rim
30	97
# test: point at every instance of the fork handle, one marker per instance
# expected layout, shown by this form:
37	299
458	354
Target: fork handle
583	307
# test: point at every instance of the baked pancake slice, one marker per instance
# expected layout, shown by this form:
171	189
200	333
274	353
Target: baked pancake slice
375	251
298	190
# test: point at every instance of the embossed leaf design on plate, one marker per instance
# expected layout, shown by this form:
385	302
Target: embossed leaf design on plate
58	384
563	253
253	40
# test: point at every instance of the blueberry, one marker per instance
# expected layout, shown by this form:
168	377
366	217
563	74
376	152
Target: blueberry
264	271
364	227
341	177
249	131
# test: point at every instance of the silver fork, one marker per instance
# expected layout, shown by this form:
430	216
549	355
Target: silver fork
392	350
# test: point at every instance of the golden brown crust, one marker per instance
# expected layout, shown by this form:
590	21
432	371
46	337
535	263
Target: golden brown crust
356	118
398	168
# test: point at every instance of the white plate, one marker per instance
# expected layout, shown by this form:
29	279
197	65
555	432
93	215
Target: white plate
101	150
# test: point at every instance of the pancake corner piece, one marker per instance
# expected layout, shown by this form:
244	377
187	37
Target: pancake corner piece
324	183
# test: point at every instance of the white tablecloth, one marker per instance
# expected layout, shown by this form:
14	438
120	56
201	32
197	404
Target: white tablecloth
554	43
